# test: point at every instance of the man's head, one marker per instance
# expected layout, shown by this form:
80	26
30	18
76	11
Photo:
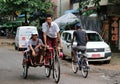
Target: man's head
34	35
49	19
78	26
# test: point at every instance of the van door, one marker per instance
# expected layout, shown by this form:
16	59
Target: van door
68	44
64	38
16	38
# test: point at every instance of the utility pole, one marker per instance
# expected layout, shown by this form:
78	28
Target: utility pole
60	7
80	7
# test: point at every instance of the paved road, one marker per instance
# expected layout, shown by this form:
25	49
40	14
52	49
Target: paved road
11	72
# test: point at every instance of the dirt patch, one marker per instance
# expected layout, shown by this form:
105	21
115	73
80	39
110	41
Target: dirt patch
6	42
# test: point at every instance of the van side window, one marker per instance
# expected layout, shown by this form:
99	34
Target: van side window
69	37
64	36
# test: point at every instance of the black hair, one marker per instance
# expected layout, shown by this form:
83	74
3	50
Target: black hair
48	15
78	27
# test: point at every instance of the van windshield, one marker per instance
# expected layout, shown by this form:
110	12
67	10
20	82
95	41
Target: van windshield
94	37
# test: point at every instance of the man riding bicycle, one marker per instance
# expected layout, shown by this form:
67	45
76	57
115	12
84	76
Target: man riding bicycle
81	39
51	35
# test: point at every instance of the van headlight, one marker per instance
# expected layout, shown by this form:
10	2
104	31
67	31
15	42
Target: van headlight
107	49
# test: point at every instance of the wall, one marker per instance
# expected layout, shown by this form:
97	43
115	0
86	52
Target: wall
65	5
102	2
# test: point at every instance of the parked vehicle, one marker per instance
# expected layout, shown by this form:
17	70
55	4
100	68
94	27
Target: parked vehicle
97	49
23	34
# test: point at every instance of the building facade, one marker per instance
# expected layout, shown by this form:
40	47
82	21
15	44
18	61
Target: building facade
110	17
61	6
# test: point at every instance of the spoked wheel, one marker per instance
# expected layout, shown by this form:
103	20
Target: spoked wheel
48	69
84	68
25	72
74	66
56	69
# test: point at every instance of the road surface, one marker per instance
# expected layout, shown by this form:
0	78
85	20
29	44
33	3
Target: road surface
11	72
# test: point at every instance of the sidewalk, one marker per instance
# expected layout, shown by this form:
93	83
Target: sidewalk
5	41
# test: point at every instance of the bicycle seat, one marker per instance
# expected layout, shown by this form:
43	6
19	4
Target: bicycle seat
81	50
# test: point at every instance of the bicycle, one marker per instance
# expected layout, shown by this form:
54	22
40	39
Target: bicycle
54	64
82	63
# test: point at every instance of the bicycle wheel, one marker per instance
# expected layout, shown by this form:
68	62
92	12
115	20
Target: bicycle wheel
25	70
56	68
48	68
84	67
74	66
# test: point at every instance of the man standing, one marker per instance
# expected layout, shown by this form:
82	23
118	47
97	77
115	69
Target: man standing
51	34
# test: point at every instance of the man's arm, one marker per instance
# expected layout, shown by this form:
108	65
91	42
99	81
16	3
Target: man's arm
38	45
73	38
44	38
31	48
59	39
86	38
44	29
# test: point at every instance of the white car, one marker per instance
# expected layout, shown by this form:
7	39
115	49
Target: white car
97	49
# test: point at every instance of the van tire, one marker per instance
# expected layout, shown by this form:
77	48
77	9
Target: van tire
107	62
15	47
19	49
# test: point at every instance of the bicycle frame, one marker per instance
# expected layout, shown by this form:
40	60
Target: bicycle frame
53	61
80	56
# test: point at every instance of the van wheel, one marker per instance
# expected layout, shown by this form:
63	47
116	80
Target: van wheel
107	62
19	49
15	47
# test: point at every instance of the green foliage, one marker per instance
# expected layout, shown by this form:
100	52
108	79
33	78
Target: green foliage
8	7
85	3
96	3
13	8
93	2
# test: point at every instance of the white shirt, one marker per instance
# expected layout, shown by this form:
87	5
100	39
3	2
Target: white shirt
52	30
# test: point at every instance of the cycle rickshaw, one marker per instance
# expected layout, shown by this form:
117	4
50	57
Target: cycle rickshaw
54	64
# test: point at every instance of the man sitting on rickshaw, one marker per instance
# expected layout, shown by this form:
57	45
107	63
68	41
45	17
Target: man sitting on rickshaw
35	48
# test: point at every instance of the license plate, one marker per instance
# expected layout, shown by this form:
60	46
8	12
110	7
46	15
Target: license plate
95	55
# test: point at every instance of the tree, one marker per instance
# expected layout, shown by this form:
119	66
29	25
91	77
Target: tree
96	3
12	8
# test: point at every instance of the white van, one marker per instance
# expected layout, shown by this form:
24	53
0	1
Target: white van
23	34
